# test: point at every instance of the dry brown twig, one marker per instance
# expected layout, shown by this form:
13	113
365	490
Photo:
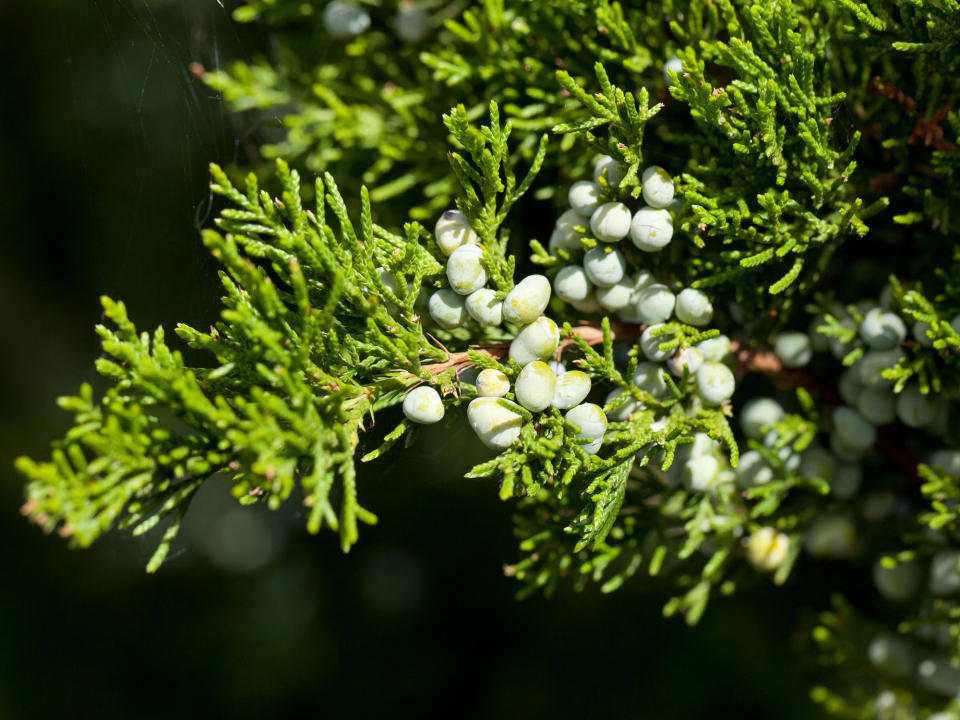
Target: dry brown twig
929	131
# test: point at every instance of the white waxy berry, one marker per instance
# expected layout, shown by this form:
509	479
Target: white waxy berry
484	307
592	447
894	655
945	573
758	414
390	283
616	297
702	444
411	23
847	477
818	340
389	280
715	383
650	343
642	279
877	405
537	341
716	348
558	367
955	323
685	359
920	330
871	366
342	18
882	330
497	427
535	386
565	234
815	462
447	308
584	197
652	378
898	583
630	314
793	348
790	458
651	229
527	301
852	429
572	389
946	460
587	305
453	230
655	303
767	549
844	451
838	347
572	284
423	405
694	307
592	423
605	266
625	409
887	300
464	269
938	675
492	383
830	535
657	187
753	470
610	222
700	472
915	409
673	65
850	386
614	170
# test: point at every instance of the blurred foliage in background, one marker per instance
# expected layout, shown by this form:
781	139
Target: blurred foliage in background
105	134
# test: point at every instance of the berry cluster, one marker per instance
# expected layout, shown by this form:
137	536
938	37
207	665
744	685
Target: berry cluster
345	19
602	280
538	385
595	267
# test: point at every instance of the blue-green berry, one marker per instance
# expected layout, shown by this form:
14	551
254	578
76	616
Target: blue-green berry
758	414
610	222
605	266
655	303
342	18
694	307
651	229
882	329
916	409
657	187
715	383
853	429
793	348
584	197
650	343
572	284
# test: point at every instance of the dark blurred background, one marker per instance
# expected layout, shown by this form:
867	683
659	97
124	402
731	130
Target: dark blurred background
104	139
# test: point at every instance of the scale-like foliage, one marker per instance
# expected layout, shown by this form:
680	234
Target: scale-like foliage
813	149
